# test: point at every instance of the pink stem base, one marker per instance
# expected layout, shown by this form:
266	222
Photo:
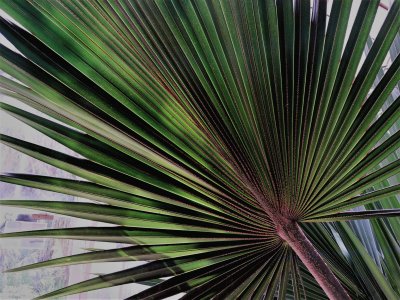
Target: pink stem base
291	232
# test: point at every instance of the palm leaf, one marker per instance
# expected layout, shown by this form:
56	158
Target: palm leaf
224	139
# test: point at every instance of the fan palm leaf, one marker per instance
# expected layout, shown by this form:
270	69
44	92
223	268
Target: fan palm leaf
228	141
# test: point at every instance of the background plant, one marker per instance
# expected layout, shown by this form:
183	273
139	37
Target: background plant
227	140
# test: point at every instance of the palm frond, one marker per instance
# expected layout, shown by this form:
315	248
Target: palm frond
227	141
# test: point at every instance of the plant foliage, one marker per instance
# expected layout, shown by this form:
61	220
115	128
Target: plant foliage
198	122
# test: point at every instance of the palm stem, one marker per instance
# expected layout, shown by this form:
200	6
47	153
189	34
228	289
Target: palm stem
291	232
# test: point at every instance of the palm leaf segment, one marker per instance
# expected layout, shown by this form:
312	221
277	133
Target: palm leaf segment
208	129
